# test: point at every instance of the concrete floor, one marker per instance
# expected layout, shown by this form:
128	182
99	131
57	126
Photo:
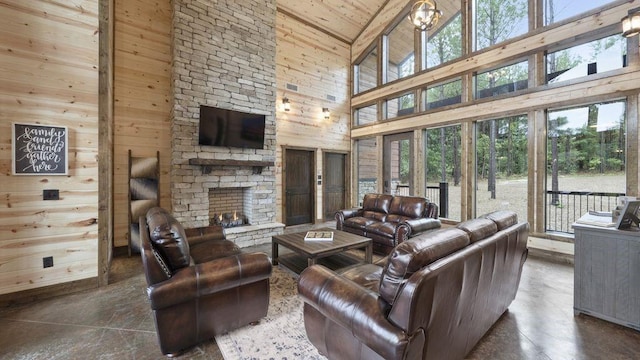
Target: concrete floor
114	322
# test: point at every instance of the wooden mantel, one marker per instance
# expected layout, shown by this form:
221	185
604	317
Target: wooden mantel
208	163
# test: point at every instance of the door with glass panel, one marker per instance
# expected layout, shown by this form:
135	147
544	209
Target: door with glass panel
398	155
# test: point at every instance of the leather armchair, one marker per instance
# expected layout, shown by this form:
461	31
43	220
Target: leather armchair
196	295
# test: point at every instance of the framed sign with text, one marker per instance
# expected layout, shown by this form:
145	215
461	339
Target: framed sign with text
39	149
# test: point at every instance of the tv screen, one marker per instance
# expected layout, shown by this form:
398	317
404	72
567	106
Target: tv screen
230	128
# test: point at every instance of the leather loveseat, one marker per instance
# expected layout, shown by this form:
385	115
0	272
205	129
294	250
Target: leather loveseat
389	220
199	287
433	297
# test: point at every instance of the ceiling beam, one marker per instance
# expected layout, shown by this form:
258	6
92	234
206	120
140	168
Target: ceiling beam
315	26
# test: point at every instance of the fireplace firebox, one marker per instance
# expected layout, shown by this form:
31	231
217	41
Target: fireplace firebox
229	219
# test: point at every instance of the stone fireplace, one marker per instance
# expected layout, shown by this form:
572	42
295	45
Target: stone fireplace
226	204
224	58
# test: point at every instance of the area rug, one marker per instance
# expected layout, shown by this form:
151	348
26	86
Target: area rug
280	335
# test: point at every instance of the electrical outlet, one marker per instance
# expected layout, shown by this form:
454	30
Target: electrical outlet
51	194
47	261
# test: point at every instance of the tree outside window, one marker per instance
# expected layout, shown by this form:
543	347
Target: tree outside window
499	20
585	156
586	59
558	10
446	43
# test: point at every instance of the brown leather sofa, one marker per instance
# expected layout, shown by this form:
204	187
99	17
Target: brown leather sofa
199	287
433	297
389	220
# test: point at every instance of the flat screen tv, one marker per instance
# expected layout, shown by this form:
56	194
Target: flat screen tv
230	128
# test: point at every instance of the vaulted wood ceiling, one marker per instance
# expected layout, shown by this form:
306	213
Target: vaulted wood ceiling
344	19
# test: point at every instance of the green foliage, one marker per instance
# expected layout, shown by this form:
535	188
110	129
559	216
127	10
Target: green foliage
434	146
444	91
511	147
405	162
446	44
499	20
585	149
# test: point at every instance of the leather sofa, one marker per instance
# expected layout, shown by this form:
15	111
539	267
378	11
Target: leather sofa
434	297
201	286
389	220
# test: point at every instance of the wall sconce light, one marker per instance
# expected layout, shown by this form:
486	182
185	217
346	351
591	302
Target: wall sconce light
326	113
425	14
286	105
631	23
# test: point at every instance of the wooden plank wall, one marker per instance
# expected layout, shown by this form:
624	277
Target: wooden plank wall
318	65
49	76
142	94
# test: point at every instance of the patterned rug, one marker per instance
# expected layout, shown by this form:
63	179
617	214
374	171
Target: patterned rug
280	335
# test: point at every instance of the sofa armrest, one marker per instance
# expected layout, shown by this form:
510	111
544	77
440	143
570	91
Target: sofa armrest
423	224
353	307
342	215
209	278
206	233
432	210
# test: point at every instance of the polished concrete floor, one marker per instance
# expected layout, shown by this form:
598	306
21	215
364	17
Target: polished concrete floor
115	322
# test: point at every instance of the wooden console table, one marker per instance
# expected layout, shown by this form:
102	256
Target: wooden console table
607	274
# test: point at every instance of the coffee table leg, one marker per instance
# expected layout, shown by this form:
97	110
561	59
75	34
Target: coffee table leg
274	252
311	261
368	254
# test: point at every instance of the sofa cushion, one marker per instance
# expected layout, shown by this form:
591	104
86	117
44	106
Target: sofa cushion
387	229
374	215
377	203
393	218
479	228
411	207
416	253
502	218
359	222
168	238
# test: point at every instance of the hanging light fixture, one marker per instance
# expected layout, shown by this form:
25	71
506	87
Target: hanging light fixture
424	14
286	105
631	23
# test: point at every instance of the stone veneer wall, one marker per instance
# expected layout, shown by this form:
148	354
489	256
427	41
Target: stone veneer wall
224	56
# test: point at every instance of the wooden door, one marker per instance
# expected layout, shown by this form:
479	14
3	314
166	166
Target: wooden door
334	192
299	195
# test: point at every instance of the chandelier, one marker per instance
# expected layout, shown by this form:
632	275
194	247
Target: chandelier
631	23
424	14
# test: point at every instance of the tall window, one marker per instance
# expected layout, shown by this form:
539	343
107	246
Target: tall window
499	20
445	43
399	48
442	95
585	161
366	72
443	169
558	10
367	167
501	165
586	59
402	105
502	80
366	115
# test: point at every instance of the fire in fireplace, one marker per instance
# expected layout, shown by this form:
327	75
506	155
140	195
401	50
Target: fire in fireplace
228	219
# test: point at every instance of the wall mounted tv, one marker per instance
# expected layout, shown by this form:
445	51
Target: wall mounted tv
230	128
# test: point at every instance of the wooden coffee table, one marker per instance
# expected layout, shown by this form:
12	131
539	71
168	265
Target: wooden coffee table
332	254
